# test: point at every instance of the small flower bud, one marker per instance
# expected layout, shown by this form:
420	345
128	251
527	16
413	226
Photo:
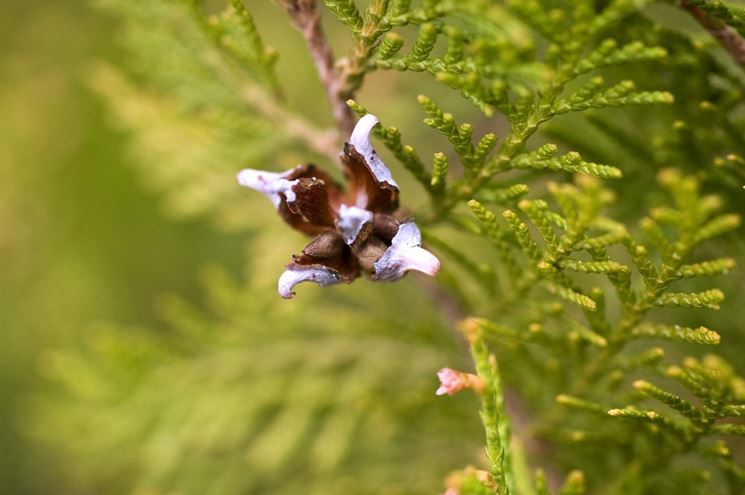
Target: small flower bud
452	382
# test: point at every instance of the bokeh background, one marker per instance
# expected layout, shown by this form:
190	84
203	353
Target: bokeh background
143	347
82	239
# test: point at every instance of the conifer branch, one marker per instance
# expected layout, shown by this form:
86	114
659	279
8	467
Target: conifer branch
728	37
307	19
493	415
556	300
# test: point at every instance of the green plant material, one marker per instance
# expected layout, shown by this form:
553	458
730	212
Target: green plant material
707	268
574	484
346	11
669	399
298	413
571	162
568	400
568	244
700	335
494	416
439	171
706	299
234	32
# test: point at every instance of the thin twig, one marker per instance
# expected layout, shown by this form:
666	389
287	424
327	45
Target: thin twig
727	36
307	19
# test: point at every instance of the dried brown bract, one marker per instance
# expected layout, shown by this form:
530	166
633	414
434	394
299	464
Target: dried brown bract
355	230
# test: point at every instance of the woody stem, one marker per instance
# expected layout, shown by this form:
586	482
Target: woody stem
307	19
728	37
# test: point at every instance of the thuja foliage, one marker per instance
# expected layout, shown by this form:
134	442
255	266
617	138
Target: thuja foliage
583	178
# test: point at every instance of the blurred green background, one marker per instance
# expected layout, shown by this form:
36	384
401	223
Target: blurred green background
82	238
149	291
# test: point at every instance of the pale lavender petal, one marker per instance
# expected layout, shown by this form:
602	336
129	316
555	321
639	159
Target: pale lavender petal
405	254
295	275
271	184
351	221
360	139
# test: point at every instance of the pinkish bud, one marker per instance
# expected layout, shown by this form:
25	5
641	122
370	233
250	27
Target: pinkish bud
452	382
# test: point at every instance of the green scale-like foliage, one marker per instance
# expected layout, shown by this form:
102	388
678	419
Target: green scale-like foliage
585	179
604	345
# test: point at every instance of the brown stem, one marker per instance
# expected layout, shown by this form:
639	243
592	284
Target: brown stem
307	19
727	36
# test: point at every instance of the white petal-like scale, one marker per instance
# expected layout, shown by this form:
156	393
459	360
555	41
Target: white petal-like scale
351	220
271	184
406	253
360	139
295	275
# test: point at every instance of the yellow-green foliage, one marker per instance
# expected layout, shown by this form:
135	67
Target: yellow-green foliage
584	208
